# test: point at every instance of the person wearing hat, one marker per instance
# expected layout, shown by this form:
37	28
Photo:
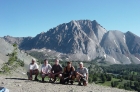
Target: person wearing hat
82	74
56	71
33	70
45	69
68	73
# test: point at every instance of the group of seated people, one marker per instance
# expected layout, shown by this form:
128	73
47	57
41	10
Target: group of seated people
66	75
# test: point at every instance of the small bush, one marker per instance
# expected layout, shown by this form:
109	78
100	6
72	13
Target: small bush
13	61
114	83
5	68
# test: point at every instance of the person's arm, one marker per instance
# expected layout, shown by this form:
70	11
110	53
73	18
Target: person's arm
50	66
41	69
64	70
42	72
87	77
36	66
52	69
73	69
77	73
61	69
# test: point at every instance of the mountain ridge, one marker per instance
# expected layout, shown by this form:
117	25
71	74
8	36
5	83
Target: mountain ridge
7	48
85	40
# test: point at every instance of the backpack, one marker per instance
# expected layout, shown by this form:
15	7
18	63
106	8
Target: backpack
2	89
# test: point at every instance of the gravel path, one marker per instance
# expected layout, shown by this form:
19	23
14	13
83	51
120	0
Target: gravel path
20	84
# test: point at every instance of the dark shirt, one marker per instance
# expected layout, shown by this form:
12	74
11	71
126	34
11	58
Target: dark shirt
70	71
56	68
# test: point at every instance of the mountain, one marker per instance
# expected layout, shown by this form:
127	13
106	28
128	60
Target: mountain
17	40
84	40
8	48
114	44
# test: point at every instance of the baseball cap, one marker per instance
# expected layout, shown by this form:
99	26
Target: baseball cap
81	63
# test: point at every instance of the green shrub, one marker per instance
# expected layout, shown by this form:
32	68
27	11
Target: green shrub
103	78
90	80
95	78
114	83
21	63
5	68
13	61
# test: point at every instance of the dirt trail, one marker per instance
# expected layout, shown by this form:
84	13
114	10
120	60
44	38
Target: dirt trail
18	83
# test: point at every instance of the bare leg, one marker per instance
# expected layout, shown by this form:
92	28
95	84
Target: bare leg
85	83
78	78
30	74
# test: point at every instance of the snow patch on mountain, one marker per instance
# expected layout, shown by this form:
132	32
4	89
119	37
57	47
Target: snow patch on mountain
88	57
124	39
76	24
66	27
116	43
105	56
114	60
49	50
69	40
137	59
59	55
128	58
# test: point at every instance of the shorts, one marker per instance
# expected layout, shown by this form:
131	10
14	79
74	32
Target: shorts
66	75
56	75
33	73
43	75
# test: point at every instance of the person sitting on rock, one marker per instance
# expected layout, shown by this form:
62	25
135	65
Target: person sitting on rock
82	74
56	71
68	73
33	70
45	69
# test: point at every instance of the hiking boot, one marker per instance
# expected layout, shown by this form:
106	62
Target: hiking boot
79	84
54	80
30	78
42	79
71	82
62	81
36	79
67	81
50	81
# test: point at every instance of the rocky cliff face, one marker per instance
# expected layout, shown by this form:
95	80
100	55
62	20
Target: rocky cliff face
85	40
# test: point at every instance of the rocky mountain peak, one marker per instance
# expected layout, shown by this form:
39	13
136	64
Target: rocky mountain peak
85	40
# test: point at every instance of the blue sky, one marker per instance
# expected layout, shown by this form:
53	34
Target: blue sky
21	18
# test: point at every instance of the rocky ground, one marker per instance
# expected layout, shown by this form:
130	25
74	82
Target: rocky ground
17	82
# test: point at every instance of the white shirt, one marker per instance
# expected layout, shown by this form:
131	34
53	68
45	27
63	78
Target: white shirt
33	66
82	71
46	68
